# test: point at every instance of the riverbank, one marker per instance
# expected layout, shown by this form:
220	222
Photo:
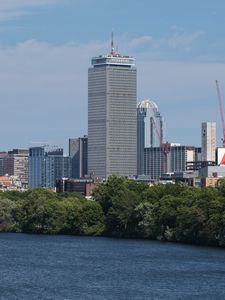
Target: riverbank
122	208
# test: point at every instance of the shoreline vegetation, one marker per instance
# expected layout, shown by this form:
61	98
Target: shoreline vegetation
122	208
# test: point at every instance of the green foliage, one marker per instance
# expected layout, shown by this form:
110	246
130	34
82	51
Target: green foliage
171	212
7	222
42	211
122	208
92	219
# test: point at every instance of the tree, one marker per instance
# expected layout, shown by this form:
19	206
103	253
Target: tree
7	221
92	219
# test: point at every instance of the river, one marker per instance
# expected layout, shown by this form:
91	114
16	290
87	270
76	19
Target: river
68	267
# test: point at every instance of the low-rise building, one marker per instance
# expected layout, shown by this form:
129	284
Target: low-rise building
82	186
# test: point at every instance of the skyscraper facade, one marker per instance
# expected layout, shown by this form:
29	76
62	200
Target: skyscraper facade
36	167
47	166
15	163
78	151
158	162
208	137
57	166
150	130
112	115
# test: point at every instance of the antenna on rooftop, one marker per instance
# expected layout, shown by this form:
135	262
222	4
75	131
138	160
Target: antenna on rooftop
112	43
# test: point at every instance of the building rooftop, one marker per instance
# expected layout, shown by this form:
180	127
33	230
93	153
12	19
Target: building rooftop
113	58
147	103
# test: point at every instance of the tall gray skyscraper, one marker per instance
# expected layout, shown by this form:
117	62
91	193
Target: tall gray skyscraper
112	115
150	130
78	151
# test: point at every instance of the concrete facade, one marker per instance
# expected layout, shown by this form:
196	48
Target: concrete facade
78	151
112	116
208	137
156	161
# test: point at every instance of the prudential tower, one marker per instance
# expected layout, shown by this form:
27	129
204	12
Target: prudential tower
112	99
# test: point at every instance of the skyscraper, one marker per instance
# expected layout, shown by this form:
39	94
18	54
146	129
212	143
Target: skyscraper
112	115
208	141
57	166
46	167
36	166
175	160
150	130
78	151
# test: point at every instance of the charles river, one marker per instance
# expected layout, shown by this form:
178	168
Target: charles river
68	267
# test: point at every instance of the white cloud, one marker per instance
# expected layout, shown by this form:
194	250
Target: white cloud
178	39
184	39
10	9
43	93
142	40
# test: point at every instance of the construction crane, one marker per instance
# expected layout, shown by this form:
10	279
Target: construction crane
165	147
221	111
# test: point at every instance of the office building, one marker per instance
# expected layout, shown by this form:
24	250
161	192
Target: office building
208	137
45	167
36	167
150	130
112	115
15	163
78	151
165	160
2	159
56	166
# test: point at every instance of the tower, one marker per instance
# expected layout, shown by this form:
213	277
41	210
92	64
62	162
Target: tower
36	167
150	130
208	141
79	154
112	115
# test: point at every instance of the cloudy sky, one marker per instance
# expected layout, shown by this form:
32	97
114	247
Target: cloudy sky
46	48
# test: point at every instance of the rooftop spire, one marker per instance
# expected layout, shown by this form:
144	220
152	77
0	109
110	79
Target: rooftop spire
112	43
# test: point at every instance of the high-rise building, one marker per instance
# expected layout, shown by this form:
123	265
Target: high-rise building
45	167
158	162
150	130
57	166
15	163
112	115
3	155
208	134
36	167
78	151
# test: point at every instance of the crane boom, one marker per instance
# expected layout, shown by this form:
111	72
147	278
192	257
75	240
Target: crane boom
221	111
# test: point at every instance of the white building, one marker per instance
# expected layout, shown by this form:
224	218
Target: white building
208	137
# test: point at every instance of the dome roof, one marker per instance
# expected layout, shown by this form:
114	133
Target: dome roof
147	103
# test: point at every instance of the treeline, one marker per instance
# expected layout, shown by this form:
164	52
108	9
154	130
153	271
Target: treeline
122	208
45	212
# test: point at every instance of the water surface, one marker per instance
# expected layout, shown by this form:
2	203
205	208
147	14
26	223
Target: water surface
67	267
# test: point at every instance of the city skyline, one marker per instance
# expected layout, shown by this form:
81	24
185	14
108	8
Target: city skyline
44	64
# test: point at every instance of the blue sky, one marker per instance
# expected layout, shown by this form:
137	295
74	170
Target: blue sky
46	48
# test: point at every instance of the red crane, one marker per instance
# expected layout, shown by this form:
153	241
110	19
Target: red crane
221	111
